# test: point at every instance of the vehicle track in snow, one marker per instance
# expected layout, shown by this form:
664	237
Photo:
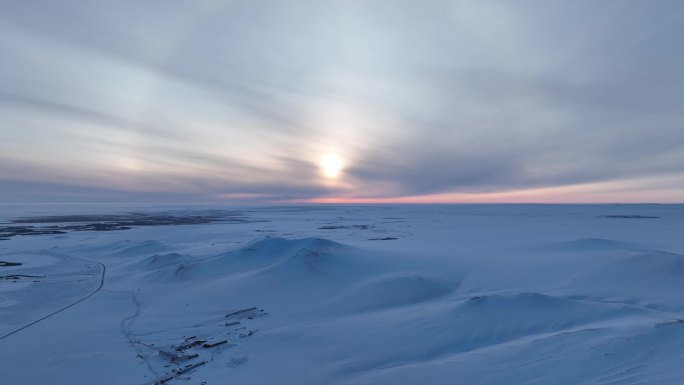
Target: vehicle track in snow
126	326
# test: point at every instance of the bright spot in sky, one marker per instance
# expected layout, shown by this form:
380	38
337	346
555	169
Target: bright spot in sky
331	165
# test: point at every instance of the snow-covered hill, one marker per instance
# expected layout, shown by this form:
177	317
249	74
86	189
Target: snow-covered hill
500	294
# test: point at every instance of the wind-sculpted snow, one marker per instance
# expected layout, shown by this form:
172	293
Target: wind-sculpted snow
391	290
159	261
462	294
316	255
277	257
436	331
656	279
592	245
120	250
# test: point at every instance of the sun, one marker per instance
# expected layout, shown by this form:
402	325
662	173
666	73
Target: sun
331	166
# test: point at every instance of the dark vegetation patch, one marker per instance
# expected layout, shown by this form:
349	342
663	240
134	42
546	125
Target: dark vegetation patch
15	277
7	264
337	227
629	217
62	224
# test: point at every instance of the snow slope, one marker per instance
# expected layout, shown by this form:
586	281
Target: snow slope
470	294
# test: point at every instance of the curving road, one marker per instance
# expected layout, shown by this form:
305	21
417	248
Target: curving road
102	277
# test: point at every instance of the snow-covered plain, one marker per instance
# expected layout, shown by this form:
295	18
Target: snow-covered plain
460	294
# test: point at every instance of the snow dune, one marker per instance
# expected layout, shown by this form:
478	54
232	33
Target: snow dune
454	294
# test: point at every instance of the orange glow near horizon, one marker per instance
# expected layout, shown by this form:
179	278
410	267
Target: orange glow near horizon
578	194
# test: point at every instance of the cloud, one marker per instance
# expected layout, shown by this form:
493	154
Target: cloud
214	99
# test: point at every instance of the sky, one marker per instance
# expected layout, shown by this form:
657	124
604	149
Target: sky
342	101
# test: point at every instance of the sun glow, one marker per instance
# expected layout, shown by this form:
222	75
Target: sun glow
331	166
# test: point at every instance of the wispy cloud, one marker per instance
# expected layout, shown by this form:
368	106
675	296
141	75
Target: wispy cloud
213	100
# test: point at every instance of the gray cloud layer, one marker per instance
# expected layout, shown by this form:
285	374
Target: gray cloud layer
176	100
